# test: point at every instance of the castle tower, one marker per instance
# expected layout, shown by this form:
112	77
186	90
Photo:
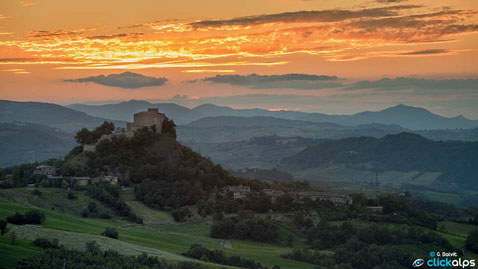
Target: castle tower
148	118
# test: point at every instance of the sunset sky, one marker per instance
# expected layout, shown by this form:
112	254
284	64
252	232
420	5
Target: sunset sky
346	56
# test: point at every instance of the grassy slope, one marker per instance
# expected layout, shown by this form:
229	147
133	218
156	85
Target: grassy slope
174	238
150	216
341	176
10	255
54	199
168	240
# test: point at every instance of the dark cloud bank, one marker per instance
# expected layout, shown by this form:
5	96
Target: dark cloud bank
416	83
126	80
286	81
305	81
305	16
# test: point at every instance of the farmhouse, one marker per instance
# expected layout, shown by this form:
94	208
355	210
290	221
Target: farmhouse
238	192
335	198
273	194
46	170
81	181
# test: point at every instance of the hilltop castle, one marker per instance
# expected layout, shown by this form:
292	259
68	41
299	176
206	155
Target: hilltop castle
148	118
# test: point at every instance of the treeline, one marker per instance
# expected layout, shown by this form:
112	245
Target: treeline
85	136
365	247
197	251
93	257
30	217
109	195
245	228
354	255
326	236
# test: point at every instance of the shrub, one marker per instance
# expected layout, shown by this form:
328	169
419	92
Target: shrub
181	214
34	217
17	219
472	241
3	226
44	243
92	207
31	217
199	252
36	192
290	240
13	236
85	212
110	232
105	216
92	247
71	196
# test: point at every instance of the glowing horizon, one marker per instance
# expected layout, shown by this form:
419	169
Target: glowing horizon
45	43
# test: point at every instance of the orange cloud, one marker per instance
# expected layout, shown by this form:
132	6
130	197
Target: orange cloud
337	35
27	3
16	71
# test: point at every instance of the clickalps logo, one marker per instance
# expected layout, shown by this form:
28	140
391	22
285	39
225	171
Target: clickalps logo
444	259
418	263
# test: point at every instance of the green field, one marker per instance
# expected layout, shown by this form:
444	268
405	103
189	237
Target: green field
9	255
340	176
165	240
150	216
160	236
54	199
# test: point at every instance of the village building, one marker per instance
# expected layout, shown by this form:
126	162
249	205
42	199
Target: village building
375	209
238	192
46	170
335	198
83	181
111	179
273	194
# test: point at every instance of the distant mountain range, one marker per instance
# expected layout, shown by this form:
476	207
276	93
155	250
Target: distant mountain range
124	111
258	152
52	115
26	142
414	118
233	129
